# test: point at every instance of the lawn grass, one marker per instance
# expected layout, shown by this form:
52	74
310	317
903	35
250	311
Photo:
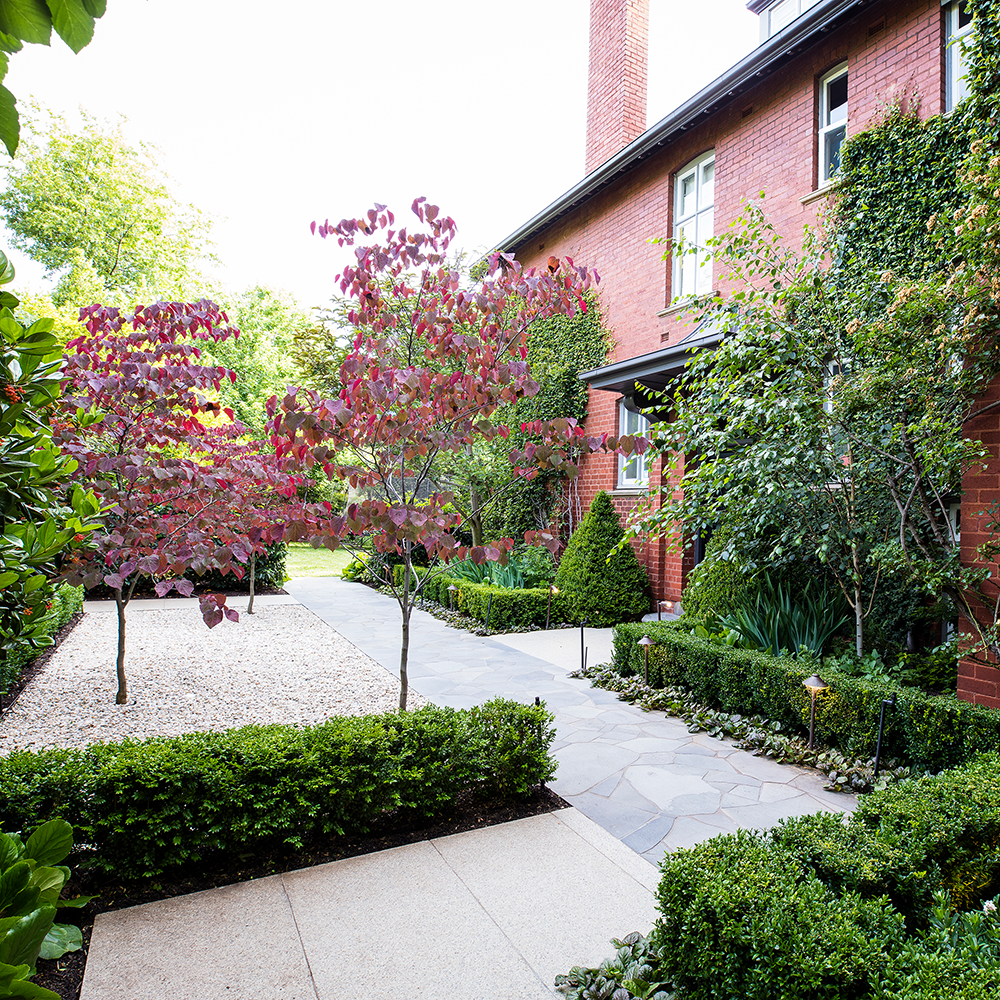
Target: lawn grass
304	560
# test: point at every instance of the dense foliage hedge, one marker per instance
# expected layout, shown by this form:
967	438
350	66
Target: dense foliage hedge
149	805
66	602
269	572
603	590
511	609
825	908
928	732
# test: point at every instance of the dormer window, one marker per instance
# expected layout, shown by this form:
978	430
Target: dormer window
780	15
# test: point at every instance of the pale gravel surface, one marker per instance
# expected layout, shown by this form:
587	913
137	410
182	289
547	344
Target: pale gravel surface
281	664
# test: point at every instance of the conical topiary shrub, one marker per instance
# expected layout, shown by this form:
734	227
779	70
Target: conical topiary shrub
603	591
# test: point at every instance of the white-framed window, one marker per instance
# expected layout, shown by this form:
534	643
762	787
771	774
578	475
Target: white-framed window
832	121
694	222
633	472
958	26
782	14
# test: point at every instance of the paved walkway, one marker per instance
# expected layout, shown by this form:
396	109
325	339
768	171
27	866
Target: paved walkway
494	913
643	777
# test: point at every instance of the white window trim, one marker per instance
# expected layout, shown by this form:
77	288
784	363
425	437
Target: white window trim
824	178
641	480
955	66
703	258
785	6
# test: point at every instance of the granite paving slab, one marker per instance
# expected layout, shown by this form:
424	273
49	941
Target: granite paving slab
613	757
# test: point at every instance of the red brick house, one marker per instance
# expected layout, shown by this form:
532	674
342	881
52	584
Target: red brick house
774	122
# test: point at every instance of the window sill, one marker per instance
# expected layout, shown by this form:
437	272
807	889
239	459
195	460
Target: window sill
630	491
695	302
823	191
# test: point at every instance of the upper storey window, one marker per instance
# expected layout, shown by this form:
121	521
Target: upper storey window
958	26
832	121
780	15
694	221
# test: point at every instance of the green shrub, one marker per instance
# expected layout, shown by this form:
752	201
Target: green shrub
720	583
509	609
602	590
740	917
150	805
66	602
930	732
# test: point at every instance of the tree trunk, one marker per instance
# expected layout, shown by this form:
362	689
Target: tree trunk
122	697
404	649
475	517
859	628
253	573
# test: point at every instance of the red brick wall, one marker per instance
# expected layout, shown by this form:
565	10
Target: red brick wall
980	682
616	91
773	148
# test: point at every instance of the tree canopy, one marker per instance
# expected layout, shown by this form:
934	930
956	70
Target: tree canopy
98	212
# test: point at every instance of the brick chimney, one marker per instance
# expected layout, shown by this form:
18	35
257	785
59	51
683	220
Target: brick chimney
616	92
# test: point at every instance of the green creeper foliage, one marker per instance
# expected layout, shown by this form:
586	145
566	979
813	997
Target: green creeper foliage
604	583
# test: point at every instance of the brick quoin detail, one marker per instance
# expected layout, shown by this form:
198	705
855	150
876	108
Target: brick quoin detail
773	149
616	90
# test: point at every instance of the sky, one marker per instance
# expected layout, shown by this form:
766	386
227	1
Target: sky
270	116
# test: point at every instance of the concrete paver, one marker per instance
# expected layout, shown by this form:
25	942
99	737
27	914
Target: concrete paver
496	912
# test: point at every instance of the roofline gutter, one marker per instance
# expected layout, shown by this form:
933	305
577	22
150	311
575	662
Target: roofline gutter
751	69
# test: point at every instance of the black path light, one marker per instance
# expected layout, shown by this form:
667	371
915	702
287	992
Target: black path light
583	651
451	597
815	684
553	589
645	642
889	703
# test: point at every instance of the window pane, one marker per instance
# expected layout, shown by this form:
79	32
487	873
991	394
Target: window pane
782	14
704	274
964	15
833	140
708	184
689	196
836	100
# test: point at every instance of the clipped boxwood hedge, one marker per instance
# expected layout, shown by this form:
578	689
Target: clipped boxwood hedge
928	732
150	805
827	907
511	609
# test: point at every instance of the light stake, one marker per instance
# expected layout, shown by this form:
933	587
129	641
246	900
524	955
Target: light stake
815	684
645	642
451	597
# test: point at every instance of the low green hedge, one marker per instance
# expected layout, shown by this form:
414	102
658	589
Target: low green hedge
929	732
66	602
150	805
827	908
510	608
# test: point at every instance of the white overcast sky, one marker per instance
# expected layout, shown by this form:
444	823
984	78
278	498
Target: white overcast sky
268	116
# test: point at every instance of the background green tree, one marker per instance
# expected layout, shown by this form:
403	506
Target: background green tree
98	213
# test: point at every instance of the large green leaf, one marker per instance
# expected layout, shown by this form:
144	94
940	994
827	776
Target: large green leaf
28	20
60	939
11	848
10	123
72	21
24	939
50	843
96	7
17	897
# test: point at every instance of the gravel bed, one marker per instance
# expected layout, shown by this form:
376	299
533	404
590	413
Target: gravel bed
281	664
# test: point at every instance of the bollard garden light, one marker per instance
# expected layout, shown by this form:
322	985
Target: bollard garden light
645	642
889	703
553	589
451	597
815	684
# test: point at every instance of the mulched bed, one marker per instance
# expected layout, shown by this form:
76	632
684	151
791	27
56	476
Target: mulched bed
65	975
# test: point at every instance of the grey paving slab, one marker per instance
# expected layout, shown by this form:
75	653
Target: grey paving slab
600	738
238	941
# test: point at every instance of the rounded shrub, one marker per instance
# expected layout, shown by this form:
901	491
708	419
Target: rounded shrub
603	590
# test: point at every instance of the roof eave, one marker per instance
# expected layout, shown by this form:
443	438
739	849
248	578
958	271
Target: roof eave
752	69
